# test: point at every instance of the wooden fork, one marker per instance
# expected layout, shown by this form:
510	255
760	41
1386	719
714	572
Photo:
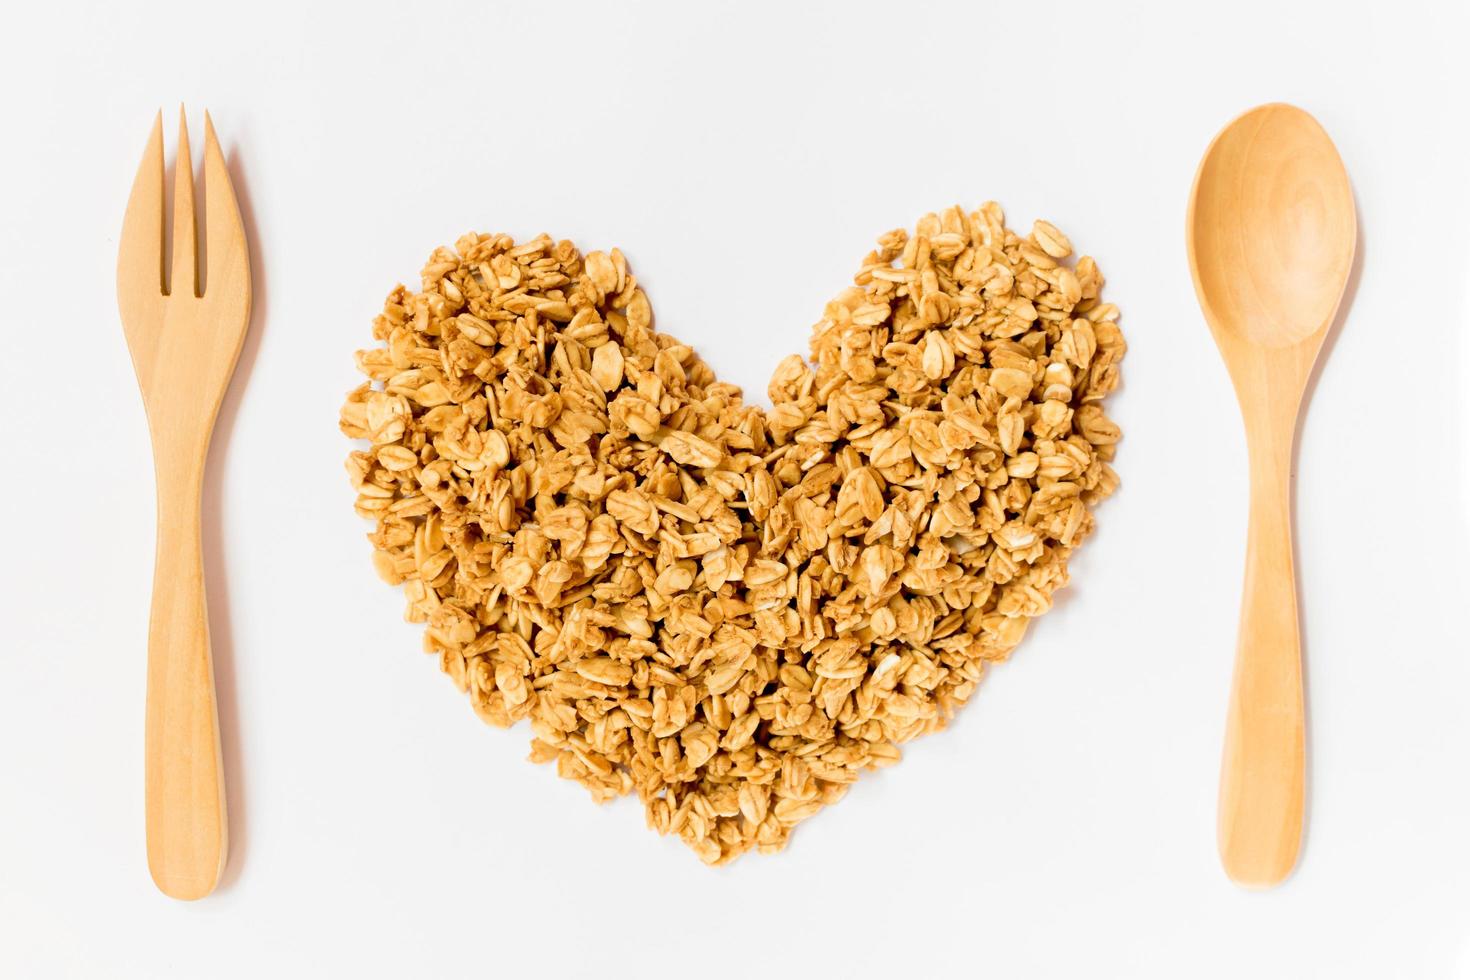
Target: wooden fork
184	343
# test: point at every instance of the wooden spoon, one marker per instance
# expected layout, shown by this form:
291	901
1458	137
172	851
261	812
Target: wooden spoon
1271	235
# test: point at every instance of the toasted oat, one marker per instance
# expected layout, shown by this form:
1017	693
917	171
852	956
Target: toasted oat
732	612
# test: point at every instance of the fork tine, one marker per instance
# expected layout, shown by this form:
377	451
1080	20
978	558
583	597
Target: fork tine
185	274
223	230
140	249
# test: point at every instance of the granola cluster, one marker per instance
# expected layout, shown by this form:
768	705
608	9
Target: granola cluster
728	610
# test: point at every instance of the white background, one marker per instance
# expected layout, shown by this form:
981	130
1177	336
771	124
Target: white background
744	157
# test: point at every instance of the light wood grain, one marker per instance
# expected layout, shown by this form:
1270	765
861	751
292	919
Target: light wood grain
184	343
1271	236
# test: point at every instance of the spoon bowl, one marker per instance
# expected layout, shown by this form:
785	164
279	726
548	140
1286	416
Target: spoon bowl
1271	237
1272	228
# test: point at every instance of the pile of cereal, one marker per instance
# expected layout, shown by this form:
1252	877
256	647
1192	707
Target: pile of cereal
731	611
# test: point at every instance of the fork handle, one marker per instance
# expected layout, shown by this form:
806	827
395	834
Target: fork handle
1262	776
184	786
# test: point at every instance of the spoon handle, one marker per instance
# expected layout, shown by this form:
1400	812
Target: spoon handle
1263	774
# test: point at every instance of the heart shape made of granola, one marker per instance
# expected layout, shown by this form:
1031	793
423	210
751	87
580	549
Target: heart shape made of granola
732	611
